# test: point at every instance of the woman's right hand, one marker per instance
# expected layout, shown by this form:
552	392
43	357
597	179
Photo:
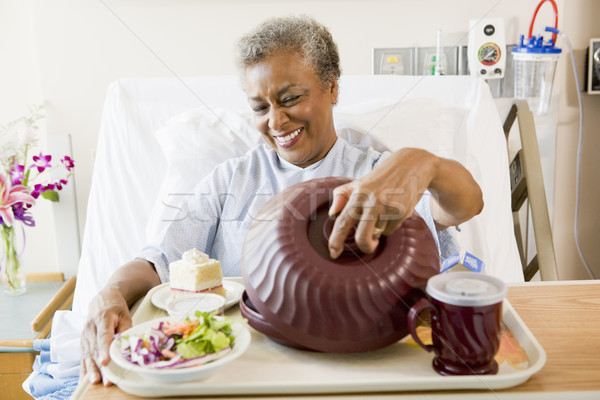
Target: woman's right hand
108	315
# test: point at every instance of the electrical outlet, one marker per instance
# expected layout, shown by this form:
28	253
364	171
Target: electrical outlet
593	63
392	64
394	61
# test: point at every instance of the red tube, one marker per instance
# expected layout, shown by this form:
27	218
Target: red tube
555	18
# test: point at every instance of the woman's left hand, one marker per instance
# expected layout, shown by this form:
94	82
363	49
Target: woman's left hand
380	201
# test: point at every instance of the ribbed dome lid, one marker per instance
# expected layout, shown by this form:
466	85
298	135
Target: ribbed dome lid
355	303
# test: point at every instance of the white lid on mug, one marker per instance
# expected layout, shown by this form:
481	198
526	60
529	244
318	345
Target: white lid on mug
466	289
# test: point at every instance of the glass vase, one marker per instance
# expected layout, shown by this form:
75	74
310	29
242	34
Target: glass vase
12	270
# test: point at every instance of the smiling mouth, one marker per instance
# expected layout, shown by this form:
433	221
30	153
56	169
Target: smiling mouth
289	137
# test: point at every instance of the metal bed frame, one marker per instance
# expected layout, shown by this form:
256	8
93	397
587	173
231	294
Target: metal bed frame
527	183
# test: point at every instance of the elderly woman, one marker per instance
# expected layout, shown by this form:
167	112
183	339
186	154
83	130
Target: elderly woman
290	71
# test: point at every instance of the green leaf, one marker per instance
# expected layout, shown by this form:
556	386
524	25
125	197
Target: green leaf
50	195
205	338
192	349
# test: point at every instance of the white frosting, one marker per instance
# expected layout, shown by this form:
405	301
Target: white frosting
194	256
195	272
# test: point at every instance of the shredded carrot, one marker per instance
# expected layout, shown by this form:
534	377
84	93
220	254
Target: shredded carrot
184	328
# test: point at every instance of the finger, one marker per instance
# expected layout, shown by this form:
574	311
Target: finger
393	225
341	196
104	338
361	200
95	358
105	381
342	226
394	213
89	330
88	365
380	228
368	232
93	373
100	350
124	323
83	368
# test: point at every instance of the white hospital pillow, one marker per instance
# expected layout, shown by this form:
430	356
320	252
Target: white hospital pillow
193	143
416	122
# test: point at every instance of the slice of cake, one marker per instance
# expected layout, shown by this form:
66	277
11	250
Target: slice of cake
196	273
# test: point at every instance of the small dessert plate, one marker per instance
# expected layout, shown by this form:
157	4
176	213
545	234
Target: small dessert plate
234	290
189	304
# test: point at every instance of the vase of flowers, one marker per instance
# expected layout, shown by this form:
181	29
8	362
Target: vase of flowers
13	273
23	180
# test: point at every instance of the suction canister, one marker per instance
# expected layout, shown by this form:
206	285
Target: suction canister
534	62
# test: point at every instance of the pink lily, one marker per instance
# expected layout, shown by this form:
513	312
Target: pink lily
10	196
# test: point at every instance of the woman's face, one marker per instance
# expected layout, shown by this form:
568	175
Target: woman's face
291	109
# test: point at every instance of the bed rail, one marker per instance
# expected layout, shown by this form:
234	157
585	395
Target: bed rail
527	183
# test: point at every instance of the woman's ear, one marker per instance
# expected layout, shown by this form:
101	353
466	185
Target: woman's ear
333	91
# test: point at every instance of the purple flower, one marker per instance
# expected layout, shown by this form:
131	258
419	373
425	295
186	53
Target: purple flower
41	162
61	183
37	189
68	163
16	174
22	214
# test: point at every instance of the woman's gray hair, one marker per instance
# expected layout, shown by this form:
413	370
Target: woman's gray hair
292	34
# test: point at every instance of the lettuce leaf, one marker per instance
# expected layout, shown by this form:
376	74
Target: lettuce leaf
210	336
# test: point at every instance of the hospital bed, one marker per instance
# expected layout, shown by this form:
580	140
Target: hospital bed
158	136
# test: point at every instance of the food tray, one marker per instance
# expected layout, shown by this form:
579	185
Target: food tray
269	368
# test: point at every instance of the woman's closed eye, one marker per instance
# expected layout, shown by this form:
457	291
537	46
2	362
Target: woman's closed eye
290	100
259	109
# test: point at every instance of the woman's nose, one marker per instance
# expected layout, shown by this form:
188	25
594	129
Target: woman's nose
277	118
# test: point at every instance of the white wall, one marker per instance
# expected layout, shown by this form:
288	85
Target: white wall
20	86
77	47
580	22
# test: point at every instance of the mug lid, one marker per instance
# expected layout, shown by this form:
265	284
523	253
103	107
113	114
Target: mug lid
466	289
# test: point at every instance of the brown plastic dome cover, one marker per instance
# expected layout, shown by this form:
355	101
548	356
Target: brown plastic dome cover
358	302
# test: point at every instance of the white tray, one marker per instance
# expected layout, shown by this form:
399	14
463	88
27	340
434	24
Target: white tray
269	368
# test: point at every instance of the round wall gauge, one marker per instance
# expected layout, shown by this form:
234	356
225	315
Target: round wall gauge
486	51
489	54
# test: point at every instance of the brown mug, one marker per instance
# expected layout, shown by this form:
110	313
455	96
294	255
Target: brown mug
466	315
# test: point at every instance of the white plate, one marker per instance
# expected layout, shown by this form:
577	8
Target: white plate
233	290
189	304
169	375
268	368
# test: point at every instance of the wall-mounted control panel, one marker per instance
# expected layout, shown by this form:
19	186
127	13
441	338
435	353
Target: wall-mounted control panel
395	63
486	51
414	61
593	67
